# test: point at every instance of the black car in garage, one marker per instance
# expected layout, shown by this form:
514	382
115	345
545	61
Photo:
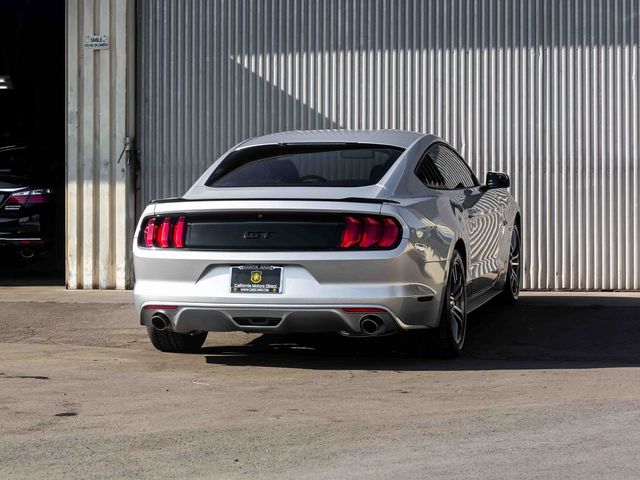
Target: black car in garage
26	203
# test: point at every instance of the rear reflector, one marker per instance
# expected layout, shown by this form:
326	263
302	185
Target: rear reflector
160	307
364	310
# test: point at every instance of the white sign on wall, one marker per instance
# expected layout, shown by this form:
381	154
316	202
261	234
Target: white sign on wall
96	42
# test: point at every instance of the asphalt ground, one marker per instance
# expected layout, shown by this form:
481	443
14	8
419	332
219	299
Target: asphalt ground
547	389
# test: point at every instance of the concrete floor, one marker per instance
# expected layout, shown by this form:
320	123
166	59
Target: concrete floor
547	389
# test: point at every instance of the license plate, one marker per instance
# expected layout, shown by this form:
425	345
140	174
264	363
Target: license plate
256	279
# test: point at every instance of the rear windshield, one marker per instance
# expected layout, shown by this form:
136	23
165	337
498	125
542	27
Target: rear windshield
305	165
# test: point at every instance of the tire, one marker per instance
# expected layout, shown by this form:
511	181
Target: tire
511	289
169	341
447	340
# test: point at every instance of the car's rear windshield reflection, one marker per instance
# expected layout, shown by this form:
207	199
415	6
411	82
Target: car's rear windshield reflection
305	165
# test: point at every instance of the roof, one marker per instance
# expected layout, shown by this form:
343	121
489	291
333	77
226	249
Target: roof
396	138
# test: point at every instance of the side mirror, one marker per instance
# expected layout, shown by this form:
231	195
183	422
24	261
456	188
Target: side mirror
497	180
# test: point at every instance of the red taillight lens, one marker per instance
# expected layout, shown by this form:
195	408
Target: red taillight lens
352	232
18	198
178	233
149	232
162	237
31	242
163	232
390	233
27	197
36	198
370	232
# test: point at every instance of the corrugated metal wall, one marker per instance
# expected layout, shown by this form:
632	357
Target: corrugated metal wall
99	203
546	90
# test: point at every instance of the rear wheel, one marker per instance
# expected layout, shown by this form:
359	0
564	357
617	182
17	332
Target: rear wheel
447	340
169	341
511	291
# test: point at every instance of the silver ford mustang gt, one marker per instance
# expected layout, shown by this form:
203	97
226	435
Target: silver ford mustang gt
359	232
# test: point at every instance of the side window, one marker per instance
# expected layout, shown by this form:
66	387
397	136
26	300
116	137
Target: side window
442	168
428	173
455	172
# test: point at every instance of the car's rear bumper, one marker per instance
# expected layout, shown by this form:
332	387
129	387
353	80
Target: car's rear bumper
22	230
309	303
22	240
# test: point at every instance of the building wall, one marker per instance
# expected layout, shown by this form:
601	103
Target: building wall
99	209
544	90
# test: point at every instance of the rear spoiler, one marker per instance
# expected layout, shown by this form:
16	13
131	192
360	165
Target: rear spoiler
379	201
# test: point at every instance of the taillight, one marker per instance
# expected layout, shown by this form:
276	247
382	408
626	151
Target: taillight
390	233
178	233
149	232
27	197
163	232
352	232
370	232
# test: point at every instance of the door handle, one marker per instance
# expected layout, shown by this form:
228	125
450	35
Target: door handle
472	212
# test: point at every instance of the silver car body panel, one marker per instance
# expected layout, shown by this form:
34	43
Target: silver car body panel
407	281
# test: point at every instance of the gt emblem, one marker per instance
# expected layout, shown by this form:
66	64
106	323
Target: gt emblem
256	276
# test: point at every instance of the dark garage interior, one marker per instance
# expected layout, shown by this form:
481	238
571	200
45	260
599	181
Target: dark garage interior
32	142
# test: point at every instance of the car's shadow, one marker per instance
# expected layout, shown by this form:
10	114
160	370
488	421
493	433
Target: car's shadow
540	332
45	270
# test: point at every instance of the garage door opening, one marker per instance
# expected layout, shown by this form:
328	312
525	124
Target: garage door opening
32	142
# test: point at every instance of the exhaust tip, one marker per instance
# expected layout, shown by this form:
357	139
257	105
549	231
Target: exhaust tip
160	321
371	325
27	253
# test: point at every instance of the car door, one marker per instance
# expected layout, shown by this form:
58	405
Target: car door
483	216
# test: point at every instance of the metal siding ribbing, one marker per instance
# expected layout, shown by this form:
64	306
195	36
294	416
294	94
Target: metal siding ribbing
545	90
98	194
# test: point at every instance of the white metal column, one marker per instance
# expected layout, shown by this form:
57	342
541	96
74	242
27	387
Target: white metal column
99	207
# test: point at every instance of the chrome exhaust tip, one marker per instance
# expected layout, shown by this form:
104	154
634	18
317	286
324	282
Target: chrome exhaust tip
371	325
160	321
27	253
